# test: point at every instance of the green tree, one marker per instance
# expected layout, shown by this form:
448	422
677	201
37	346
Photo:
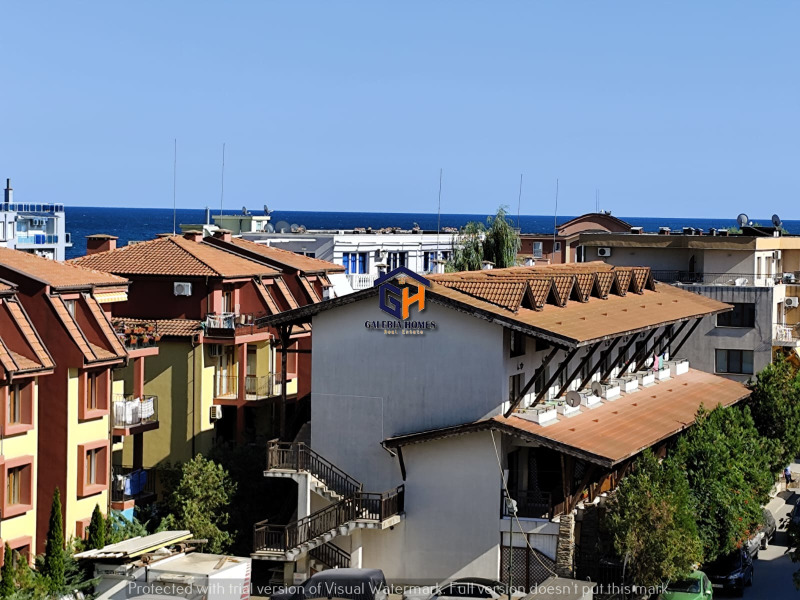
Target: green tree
96	537
119	528
775	405
54	553
651	519
729	467
497	241
7	582
200	503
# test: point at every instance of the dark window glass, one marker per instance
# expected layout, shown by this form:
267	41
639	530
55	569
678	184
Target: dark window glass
742	315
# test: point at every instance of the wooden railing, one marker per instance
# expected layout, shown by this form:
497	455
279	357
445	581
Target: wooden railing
296	456
361	506
331	556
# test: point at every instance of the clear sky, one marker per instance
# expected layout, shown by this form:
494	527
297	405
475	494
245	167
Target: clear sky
670	109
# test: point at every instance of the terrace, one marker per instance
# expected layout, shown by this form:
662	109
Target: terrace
256	387
229	325
132	414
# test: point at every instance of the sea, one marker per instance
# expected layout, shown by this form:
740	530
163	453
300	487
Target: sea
137	224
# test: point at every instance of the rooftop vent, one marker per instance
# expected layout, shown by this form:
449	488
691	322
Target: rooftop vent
637	230
664	231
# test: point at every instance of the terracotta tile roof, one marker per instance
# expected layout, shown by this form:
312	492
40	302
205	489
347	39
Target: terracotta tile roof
5	358
105	326
174	255
562	287
614	431
620	429
164	327
290	300
312	293
4	287
282	257
24	363
91	352
507	294
58	275
604	282
584	284
641	279
623	282
30	334
263	291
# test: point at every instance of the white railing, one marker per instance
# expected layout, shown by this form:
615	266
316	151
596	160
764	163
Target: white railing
785	333
131	411
221	321
360	281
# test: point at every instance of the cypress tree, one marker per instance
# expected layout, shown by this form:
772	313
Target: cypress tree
7	581
96	538
54	553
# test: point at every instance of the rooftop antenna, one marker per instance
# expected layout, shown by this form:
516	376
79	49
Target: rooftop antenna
174	179
555	218
519	200
222	185
439	213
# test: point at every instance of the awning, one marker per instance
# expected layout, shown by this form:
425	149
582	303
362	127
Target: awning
106	297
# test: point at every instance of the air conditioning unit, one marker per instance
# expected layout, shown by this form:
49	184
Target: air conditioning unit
182	288
791	302
605	251
216	412
215	350
776	255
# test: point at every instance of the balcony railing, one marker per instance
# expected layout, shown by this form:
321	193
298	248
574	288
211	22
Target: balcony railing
255	386
296	456
531	504
362	506
703	278
128	483
130	411
138	335
360	281
231	324
786	333
37	239
331	556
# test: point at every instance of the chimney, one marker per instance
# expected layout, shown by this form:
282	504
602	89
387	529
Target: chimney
223	234
100	242
9	191
193	235
486	265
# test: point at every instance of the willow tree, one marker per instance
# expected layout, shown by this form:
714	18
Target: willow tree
497	242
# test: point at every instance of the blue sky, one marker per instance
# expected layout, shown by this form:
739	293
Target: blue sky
670	109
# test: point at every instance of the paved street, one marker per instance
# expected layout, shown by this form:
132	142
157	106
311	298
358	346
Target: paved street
774	568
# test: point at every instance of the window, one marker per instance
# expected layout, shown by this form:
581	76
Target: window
17	486
91	391
397	259
517	343
14	485
18	407
429	261
70	304
94	393
557	247
742	315
734	361
92	467
515	383
14	404
354	262
537	249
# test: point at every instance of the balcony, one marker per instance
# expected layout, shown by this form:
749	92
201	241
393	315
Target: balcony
138	336
531	504
360	281
131	415
229	325
726	279
256	387
785	335
132	484
37	239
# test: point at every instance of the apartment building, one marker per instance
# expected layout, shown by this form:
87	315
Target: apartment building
563	247
756	271
218	376
69	305
36	228
24	359
468	397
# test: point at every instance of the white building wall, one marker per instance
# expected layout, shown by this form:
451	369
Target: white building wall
367	386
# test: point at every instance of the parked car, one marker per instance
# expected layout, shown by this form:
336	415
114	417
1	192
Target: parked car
768	528
348	584
695	587
467	587
753	545
732	572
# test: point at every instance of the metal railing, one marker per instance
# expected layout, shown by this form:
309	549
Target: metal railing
37	239
138	335
360	281
361	506
705	278
128	483
531	504
132	411
231	324
331	556
785	333
296	456
255	386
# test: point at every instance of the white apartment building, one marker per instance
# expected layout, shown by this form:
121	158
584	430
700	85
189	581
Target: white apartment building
34	228
534	384
757	271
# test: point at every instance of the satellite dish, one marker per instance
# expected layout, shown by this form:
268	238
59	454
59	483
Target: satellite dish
294	228
282	227
573	399
270	228
597	389
267	211
742	219
776	221
302	229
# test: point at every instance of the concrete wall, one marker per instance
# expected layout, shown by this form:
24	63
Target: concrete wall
368	386
708	337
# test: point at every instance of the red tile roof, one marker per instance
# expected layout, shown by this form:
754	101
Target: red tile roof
174	255
91	352
58	275
164	327
282	257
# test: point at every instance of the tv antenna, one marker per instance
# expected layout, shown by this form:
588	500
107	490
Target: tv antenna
439	213
555	220
519	199
174	178
222	183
